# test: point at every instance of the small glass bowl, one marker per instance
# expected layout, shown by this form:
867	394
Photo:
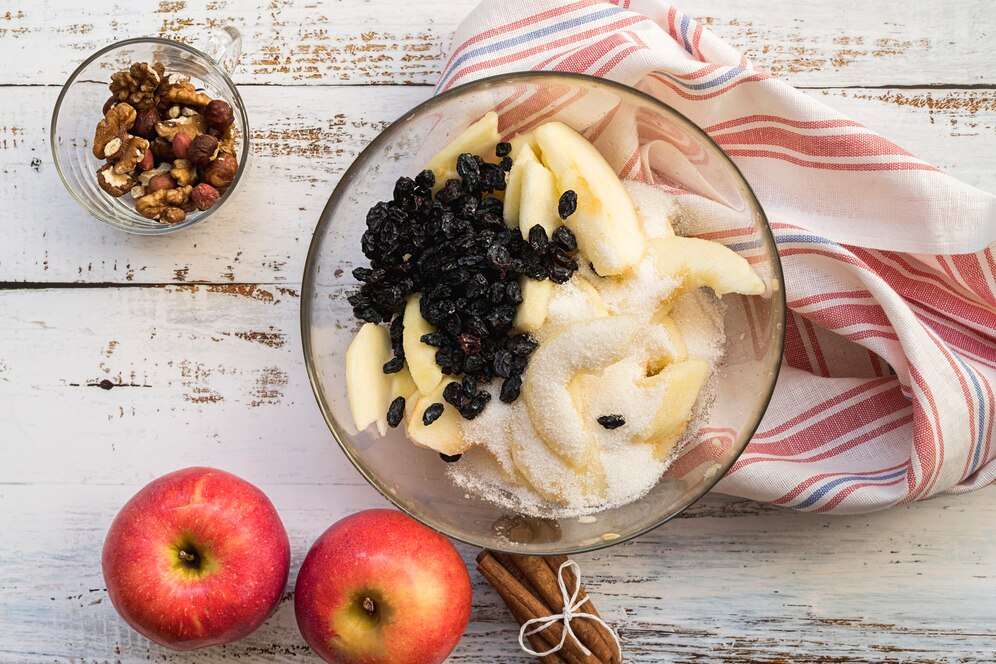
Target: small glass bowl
78	110
414	478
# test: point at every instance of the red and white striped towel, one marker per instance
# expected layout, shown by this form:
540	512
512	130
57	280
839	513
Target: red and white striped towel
885	395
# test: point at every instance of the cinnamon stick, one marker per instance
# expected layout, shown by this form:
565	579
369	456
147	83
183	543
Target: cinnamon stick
544	579
526	606
536	641
554	563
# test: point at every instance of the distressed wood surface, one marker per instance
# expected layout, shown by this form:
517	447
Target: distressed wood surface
731	581
117	367
808	42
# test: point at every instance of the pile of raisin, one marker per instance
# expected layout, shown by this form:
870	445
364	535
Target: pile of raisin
455	249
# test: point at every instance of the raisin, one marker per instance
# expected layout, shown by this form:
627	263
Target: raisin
432	413
396	412
469	343
564	237
394	365
538	239
450	458
510	388
522	345
503	363
502	149
611	421
426	179
568	204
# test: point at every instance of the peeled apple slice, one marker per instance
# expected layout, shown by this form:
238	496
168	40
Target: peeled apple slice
605	223
402	385
479	138
513	184
584	347
523	140
421	357
679	385
531	312
538	199
662	345
704	263
367	386
444	434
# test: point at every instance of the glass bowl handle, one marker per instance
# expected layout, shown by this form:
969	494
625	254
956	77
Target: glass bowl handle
224	46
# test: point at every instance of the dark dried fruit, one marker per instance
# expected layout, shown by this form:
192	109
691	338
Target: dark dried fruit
432	413
564	237
454	249
611	421
568	204
450	458
510	388
502	149
395	412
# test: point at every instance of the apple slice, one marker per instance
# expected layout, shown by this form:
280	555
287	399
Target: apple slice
421	357
523	140
513	185
662	345
704	263
531	312
583	347
367	386
679	385
605	223
479	138
444	435
538	199
402	385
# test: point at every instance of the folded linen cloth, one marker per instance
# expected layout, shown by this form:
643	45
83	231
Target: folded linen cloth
885	394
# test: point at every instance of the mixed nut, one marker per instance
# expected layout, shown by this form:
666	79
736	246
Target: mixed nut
167	144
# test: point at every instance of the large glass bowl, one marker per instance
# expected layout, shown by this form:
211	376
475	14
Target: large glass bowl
415	479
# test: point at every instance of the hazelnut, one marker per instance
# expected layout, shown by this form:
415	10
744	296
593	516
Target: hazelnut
204	196
160	182
203	150
145	123
218	114
162	149
181	143
220	172
147	161
109	104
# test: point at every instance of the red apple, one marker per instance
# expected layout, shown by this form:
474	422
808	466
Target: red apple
197	558
378	587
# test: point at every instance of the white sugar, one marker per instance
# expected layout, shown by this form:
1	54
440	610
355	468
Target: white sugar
514	467
658	210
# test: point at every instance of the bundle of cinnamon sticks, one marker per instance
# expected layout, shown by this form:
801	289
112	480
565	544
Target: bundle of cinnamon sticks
529	587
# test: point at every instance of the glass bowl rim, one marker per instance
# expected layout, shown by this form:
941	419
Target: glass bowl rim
325	219
240	108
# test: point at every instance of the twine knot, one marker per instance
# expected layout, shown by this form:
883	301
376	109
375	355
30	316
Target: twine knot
571	610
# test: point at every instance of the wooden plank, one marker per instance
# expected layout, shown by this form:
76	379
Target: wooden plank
809	42
305	138
730	581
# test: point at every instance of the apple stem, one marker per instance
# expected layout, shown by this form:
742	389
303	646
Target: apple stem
189	557
369	606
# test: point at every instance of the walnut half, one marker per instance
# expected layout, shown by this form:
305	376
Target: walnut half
117	122
115	184
166	205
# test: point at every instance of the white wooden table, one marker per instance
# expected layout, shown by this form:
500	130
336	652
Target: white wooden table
123	358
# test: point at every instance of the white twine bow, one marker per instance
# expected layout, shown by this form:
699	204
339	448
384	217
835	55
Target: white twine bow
571	611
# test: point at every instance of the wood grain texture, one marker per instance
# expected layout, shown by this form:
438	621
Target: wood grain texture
730	581
810	42
116	367
303	141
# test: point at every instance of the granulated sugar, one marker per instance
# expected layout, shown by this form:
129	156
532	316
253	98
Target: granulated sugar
659	211
512	459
